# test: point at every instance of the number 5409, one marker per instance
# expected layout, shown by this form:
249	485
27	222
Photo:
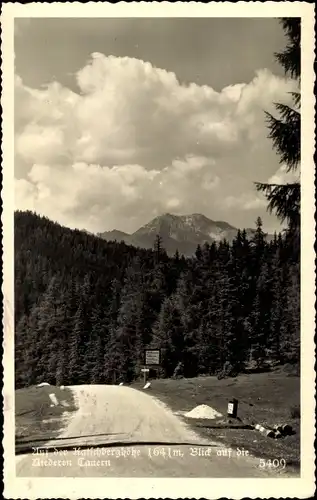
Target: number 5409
273	464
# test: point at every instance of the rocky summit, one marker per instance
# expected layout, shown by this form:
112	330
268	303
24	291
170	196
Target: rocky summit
178	232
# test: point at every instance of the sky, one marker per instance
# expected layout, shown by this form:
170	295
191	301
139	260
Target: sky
120	120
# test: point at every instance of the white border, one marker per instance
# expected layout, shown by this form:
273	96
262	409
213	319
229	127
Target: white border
153	487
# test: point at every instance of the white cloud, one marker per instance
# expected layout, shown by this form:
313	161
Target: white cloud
40	143
281	176
173	203
135	142
245	202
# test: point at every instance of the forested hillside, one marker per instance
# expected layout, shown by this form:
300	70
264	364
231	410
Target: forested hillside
86	308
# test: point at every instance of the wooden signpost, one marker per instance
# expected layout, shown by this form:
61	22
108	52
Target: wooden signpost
152	359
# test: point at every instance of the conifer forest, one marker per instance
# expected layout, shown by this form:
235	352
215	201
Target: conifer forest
85	309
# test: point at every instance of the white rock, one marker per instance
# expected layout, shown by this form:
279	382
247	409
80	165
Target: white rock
147	385
203	411
62	387
42	384
53	399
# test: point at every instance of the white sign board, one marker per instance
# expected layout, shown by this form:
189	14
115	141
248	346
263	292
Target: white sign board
230	408
152	357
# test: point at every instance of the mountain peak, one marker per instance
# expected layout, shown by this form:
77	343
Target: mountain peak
178	232
167	215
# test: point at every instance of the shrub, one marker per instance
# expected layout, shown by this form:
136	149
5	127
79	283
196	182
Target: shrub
228	370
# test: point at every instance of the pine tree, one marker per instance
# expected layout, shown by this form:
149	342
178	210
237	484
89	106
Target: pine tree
62	363
257	255
199	253
130	325
290	338
50	316
191	298
261	316
294	309
169	336
240	274
210	341
234	321
96	349
279	305
27	350
68	341
158	249
285	133
76	351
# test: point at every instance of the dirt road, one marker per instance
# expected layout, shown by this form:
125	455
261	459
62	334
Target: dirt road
129	433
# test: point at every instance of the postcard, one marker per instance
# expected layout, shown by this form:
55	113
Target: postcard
158	250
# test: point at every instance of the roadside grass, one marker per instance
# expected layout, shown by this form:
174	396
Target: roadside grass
263	398
36	418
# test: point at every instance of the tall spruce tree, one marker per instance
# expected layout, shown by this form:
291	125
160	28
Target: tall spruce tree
279	306
130	330
168	334
96	347
284	199
50	316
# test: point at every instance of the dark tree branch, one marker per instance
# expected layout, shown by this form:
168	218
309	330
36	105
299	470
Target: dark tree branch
284	199
286	136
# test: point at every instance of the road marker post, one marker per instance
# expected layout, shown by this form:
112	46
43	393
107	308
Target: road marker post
233	408
145	371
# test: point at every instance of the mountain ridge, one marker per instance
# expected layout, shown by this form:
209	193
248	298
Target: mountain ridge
178	232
